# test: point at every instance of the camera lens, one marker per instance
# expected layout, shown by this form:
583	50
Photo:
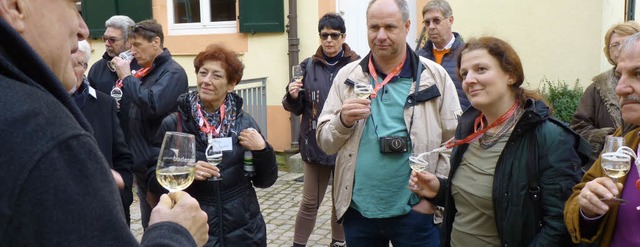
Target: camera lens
396	144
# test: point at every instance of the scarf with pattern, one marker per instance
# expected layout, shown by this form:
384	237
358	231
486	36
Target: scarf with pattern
229	121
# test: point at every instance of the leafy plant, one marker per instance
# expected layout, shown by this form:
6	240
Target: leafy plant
563	99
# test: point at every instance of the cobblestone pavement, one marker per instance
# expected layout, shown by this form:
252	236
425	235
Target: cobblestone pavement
279	205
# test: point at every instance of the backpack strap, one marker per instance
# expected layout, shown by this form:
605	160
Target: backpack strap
309	65
533	183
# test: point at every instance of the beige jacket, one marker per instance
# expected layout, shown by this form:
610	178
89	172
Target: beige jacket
434	122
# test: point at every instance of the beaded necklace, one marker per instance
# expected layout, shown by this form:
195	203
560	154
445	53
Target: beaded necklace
489	140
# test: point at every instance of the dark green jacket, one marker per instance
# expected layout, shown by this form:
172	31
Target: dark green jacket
513	206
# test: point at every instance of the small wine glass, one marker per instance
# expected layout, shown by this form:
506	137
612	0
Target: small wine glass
362	89
116	93
417	163
297	73
176	166
125	55
615	160
214	157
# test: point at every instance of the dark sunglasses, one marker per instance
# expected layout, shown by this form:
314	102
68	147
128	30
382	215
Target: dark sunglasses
435	21
136	28
111	40
324	36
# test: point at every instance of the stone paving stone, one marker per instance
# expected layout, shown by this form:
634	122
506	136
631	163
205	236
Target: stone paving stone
279	205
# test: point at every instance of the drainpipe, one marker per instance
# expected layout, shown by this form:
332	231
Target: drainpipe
631	10
294	50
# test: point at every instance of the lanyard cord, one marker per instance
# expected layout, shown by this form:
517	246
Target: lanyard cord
479	129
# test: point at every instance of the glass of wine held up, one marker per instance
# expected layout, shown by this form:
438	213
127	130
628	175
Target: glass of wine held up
362	90
297	73
176	166
125	55
616	160
214	157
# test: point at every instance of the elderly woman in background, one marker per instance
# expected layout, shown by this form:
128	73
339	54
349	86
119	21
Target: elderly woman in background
214	114
598	113
486	196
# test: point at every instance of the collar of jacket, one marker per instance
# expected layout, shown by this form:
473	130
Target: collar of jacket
535	111
184	106
456	43
412	59
20	62
348	56
161	59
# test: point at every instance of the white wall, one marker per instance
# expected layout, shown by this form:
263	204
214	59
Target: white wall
354	13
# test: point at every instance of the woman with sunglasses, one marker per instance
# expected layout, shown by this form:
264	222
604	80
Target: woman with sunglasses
512	165
306	97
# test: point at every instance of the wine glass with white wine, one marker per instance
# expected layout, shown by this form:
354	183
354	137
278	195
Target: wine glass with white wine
297	73
615	160
176	166
417	163
214	157
362	89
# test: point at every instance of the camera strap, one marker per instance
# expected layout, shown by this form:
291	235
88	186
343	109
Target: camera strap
414	96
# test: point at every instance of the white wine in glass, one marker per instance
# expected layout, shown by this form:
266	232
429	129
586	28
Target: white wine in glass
614	161
615	166
362	90
214	157
297	73
176	166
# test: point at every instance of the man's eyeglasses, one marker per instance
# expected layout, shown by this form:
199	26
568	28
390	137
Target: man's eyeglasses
436	21
334	36
111	40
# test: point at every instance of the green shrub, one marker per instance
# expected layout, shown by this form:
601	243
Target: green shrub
563	100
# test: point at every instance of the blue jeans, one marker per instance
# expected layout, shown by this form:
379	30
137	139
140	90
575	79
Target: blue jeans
412	229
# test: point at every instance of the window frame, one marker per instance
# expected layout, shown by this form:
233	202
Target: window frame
205	26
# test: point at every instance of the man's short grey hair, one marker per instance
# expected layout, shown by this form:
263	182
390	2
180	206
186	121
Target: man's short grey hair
440	5
630	43
402	5
83	46
121	22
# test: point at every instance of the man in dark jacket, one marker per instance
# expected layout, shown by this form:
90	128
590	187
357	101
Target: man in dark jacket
153	90
100	110
56	185
443	45
104	79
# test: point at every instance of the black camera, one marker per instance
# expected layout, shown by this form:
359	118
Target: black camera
394	144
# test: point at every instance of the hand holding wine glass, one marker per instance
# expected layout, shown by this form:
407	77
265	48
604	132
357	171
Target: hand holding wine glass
176	162
125	55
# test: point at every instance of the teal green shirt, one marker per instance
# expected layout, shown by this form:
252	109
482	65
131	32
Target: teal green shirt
381	181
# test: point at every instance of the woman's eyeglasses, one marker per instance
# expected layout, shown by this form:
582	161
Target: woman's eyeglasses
334	36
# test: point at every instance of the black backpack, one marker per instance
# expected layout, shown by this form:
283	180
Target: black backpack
582	147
